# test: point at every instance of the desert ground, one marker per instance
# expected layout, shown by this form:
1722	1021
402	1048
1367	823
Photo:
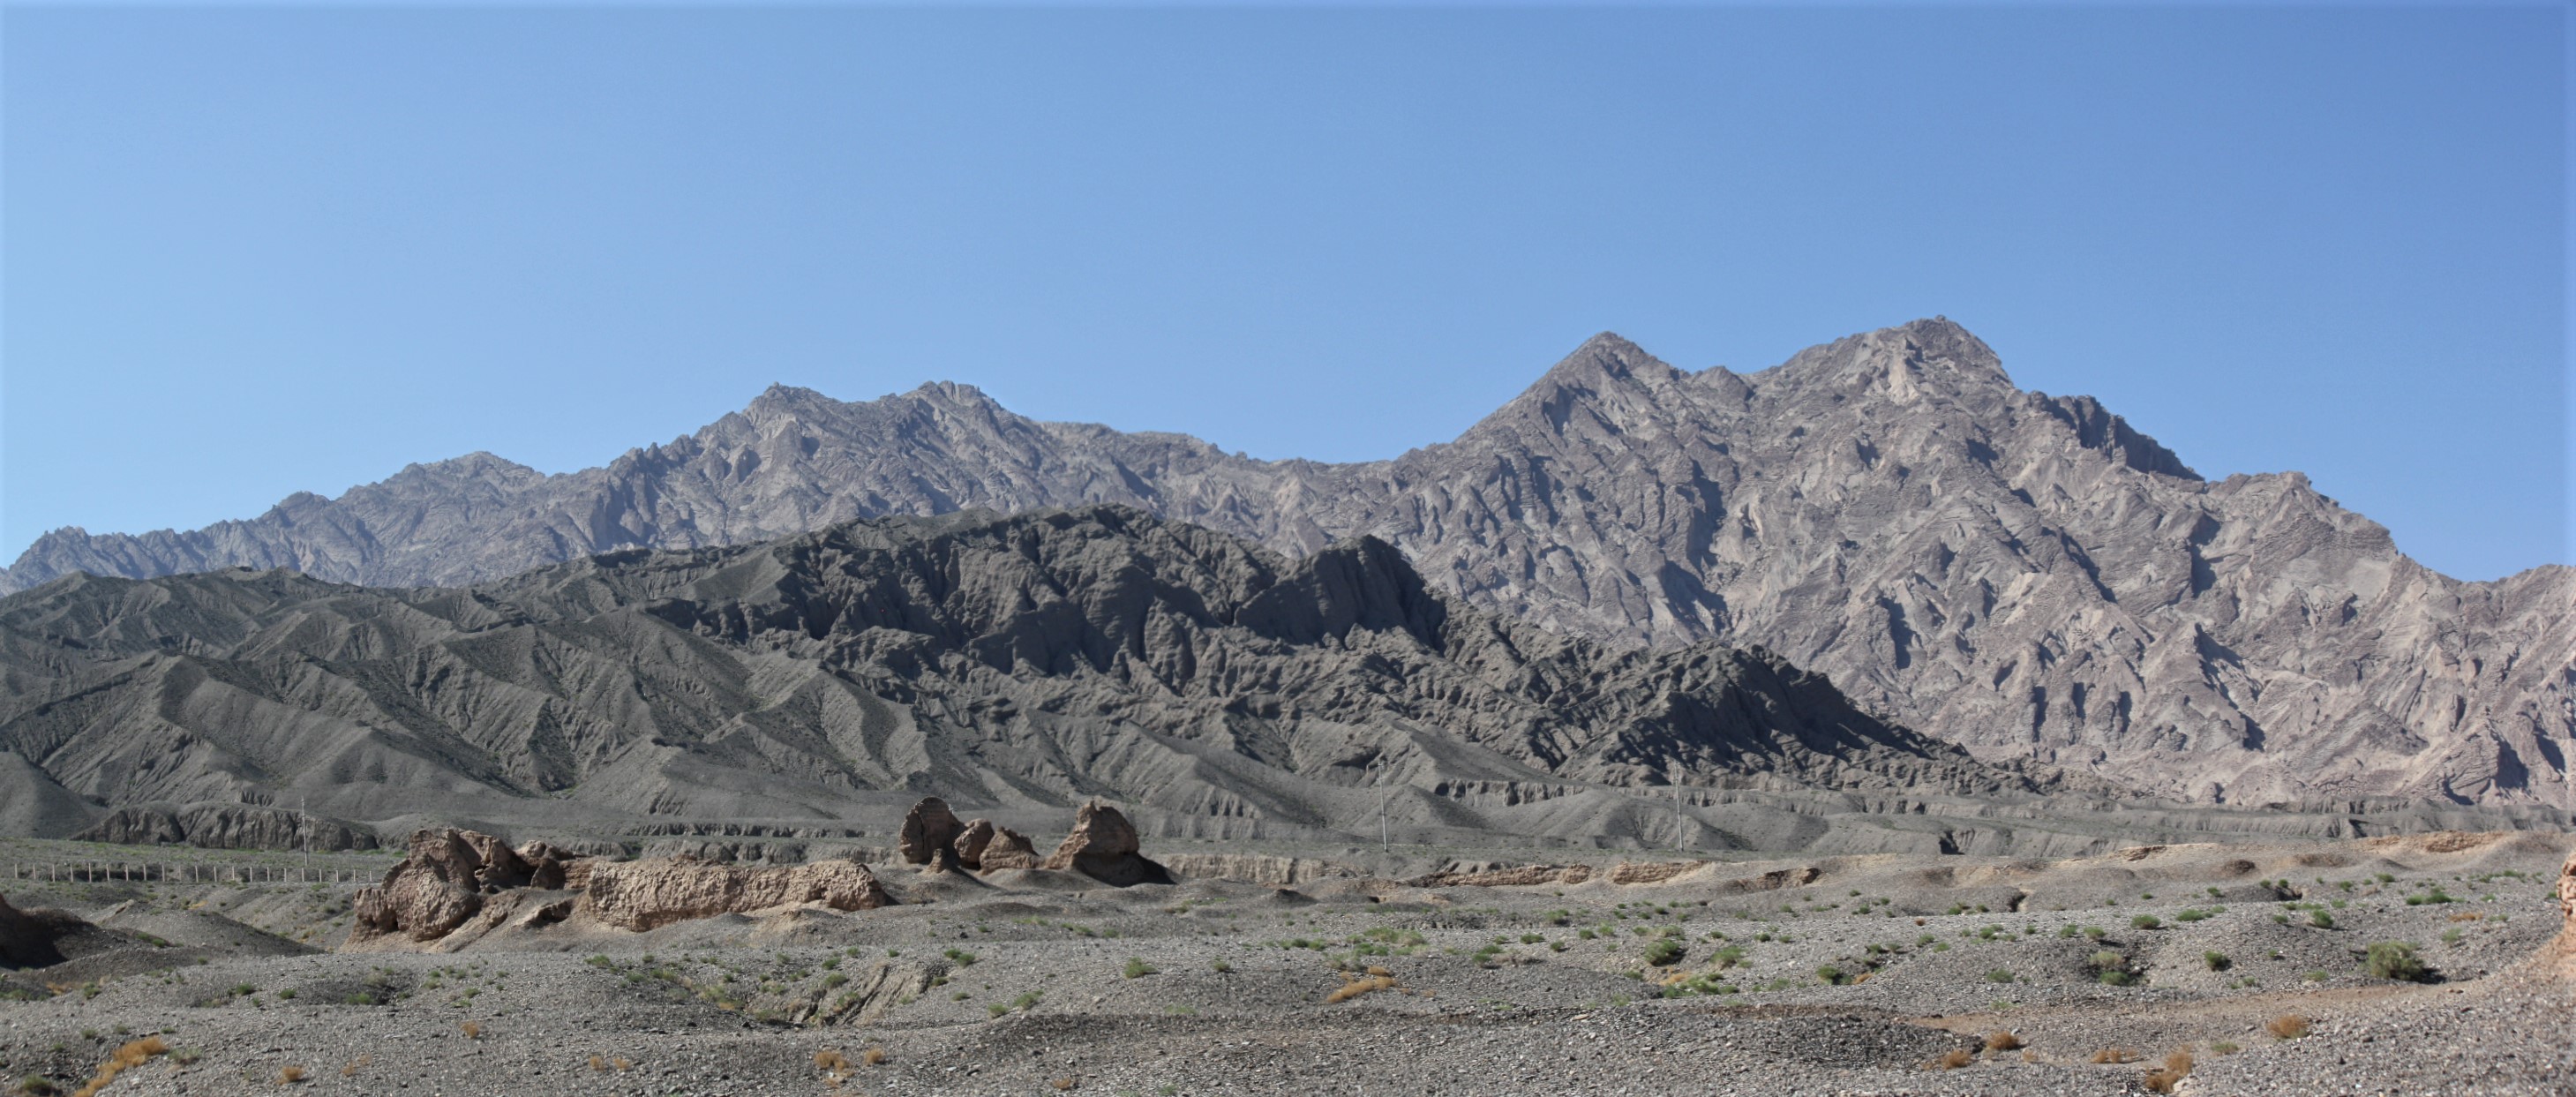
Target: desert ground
2197	969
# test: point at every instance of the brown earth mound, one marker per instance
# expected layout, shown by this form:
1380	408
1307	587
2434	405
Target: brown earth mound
27	936
1103	846
1007	849
930	833
971	842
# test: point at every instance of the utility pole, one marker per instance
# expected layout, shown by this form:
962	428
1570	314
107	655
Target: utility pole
1679	827
1386	797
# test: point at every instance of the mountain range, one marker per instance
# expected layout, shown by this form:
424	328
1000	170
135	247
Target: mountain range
1015	664
2022	575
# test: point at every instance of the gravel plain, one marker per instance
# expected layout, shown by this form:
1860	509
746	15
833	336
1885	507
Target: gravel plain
1839	975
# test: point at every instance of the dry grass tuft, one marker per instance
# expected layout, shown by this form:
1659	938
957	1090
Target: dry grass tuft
132	1054
1357	987
2163	1079
2002	1040
831	1060
2030	1055
2115	1055
351	1070
623	1064
287	1076
137	1052
875	1057
1954	1059
2288	1026
1063	1083
471	1030
598	1064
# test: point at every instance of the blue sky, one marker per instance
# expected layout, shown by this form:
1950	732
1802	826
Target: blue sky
261	250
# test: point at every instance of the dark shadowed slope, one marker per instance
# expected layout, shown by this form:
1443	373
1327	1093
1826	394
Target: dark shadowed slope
1007	662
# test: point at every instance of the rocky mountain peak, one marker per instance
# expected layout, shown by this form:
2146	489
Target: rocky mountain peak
1925	359
780	400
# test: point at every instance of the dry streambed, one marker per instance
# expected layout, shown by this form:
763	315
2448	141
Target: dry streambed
1848	975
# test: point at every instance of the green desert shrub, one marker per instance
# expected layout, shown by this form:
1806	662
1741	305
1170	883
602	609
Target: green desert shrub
2395	960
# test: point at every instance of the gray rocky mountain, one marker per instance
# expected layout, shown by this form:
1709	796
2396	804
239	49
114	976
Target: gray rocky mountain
1010	663
2022	574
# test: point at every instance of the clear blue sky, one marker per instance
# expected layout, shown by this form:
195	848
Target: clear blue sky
255	251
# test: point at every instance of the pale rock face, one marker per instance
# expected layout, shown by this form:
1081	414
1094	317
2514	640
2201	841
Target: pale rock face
2025	575
641	895
930	832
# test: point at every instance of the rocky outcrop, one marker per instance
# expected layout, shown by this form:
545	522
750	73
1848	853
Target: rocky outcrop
227	826
1007	849
977	834
445	878
454	886
1256	868
930	834
1104	846
2024	574
642	895
1652	872
1516	876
